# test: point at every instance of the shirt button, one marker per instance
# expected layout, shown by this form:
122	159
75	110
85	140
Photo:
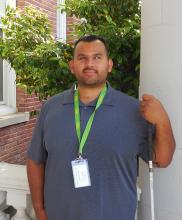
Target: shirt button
85	108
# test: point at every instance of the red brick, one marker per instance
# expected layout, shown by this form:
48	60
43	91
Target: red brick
14	139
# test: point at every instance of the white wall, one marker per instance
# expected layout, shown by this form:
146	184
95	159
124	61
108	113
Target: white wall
161	75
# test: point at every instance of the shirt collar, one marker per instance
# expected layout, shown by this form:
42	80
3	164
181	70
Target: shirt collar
108	99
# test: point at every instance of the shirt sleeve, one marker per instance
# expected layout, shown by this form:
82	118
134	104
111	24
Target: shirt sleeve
36	150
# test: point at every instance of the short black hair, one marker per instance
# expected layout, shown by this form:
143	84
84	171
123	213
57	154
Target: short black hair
91	38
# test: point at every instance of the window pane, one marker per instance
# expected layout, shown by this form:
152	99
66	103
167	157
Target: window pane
1	75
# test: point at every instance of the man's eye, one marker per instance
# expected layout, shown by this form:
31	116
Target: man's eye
97	57
81	58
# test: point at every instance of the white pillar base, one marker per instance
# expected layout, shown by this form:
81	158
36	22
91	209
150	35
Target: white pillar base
15	189
21	215
4	216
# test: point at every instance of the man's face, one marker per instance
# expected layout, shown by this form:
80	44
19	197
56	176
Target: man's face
91	64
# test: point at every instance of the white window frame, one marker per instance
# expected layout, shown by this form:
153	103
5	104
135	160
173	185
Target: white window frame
8	105
61	23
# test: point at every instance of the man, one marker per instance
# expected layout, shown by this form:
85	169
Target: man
82	160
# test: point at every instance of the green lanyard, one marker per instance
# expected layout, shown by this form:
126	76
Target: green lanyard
86	132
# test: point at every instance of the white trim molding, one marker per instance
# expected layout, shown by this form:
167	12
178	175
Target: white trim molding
9	90
15	118
61	22
8	105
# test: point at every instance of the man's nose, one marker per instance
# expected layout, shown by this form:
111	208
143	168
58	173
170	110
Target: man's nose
90	62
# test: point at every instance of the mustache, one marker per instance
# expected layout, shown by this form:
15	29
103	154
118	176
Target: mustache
89	69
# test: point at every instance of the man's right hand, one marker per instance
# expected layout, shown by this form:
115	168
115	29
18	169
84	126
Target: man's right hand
36	173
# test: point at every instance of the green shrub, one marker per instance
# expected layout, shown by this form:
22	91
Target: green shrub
41	62
119	22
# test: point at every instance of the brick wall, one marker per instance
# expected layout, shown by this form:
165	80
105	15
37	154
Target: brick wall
48	6
70	22
14	139
26	102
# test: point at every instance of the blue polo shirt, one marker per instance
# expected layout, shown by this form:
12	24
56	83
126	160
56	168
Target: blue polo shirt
117	137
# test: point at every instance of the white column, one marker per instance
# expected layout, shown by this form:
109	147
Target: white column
161	75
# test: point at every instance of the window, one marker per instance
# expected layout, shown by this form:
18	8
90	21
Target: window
61	23
7	74
2	9
1	76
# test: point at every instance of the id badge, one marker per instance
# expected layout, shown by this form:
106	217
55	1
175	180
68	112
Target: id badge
81	173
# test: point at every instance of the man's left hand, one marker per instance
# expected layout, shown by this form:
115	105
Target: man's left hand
152	109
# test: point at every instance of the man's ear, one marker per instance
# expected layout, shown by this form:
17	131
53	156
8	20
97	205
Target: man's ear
110	65
71	66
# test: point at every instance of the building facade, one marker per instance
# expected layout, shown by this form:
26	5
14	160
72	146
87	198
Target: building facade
17	108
